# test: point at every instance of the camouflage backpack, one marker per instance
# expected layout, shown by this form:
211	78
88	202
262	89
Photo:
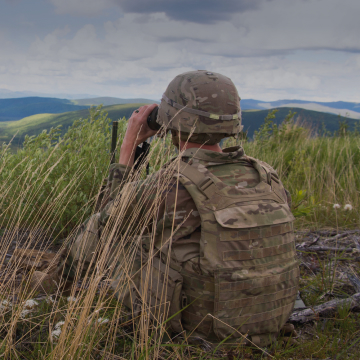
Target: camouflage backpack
247	256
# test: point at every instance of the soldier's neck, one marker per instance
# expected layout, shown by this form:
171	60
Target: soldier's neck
187	145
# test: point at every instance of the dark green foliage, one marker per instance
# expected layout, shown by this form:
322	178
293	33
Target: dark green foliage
343	128
53	181
321	123
252	120
318	170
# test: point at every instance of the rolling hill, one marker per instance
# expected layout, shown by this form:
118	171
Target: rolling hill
16	109
35	124
19	108
252	120
347	109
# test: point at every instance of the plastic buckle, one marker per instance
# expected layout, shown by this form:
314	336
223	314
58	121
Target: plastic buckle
205	184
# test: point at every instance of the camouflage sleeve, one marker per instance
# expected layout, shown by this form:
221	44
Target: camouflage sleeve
117	176
288	197
144	200
167	203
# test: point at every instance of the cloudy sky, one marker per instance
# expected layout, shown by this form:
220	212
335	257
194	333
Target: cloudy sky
271	49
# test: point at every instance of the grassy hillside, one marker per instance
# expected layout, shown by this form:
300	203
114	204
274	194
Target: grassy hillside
16	109
252	120
19	108
348	109
35	124
47	190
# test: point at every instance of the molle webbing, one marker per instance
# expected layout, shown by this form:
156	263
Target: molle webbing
247	243
254	234
285	306
256	300
232	255
200	291
231	282
207	186
240	300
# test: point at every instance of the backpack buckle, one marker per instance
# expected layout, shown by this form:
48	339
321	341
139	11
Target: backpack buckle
205	184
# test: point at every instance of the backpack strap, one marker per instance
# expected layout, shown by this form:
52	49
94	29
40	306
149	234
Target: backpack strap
264	172
269	186
204	183
271	177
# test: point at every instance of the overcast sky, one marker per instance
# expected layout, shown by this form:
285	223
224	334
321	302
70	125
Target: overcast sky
271	49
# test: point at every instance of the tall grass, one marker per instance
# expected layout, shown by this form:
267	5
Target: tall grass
40	188
50	186
319	171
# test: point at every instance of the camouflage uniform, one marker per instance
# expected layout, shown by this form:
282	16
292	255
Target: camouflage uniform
186	240
265	251
232	255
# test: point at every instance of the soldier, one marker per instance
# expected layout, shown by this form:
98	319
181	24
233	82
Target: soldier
223	241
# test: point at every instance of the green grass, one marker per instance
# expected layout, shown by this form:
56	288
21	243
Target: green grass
251	119
318	171
52	183
24	126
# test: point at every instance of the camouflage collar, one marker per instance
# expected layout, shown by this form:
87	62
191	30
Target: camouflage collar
227	155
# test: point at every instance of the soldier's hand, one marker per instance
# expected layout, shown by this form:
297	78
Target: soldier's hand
138	130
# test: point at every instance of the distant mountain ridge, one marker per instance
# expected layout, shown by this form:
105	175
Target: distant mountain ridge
251	119
19	107
35	124
8	94
343	108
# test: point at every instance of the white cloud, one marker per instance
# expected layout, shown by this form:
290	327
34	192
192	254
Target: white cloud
137	55
81	7
314	24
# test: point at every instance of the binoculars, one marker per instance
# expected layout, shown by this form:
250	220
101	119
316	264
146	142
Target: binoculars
151	120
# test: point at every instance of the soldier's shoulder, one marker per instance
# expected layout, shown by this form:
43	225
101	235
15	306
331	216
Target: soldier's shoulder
262	163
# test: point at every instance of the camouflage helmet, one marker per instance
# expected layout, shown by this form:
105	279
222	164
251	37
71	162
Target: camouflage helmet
203	103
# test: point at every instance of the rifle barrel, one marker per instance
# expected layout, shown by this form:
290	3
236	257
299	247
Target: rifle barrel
113	141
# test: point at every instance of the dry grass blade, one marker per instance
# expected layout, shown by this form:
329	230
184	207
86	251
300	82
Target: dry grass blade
92	323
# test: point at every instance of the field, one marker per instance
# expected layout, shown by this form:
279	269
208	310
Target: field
19	108
252	120
35	124
50	186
